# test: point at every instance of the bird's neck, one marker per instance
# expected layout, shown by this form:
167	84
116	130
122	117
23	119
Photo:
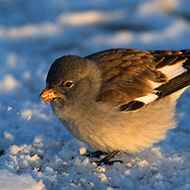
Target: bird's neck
75	111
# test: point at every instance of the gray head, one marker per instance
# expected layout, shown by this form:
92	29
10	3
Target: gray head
72	79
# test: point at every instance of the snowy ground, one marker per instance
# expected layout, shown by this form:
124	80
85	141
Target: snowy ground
36	151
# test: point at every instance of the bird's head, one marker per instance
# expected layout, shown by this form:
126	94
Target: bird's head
71	79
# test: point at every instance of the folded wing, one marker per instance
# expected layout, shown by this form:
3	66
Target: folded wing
132	78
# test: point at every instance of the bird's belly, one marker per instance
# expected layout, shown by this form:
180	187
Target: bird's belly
124	138
127	131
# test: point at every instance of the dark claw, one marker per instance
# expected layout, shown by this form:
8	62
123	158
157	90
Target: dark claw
95	154
99	163
107	161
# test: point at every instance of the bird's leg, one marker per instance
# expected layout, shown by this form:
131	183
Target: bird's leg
107	158
95	154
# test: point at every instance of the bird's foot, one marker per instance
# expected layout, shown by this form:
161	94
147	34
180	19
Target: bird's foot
107	161
95	154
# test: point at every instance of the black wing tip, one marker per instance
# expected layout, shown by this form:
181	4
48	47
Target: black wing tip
133	105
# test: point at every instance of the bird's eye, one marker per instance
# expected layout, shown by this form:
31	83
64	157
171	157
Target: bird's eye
68	84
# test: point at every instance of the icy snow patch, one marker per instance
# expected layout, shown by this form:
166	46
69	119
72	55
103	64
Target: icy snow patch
8	83
28	31
10	181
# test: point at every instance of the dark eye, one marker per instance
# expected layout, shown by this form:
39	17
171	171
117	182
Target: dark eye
68	84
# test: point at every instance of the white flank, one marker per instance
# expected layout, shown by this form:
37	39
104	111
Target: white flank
173	70
148	98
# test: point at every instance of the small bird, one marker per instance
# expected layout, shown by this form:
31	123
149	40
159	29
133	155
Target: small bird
118	100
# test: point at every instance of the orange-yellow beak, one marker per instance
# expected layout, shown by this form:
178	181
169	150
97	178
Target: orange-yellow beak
48	95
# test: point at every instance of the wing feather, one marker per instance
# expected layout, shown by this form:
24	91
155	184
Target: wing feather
131	75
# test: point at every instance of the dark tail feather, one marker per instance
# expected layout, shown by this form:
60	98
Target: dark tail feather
174	85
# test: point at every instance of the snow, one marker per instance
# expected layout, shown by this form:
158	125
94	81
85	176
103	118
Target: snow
36	151
8	83
10	181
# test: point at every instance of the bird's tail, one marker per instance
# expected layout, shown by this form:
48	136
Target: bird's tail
180	79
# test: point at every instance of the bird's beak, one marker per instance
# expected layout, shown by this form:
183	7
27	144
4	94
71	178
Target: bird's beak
48	95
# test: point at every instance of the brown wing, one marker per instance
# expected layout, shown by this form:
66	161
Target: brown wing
127	74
